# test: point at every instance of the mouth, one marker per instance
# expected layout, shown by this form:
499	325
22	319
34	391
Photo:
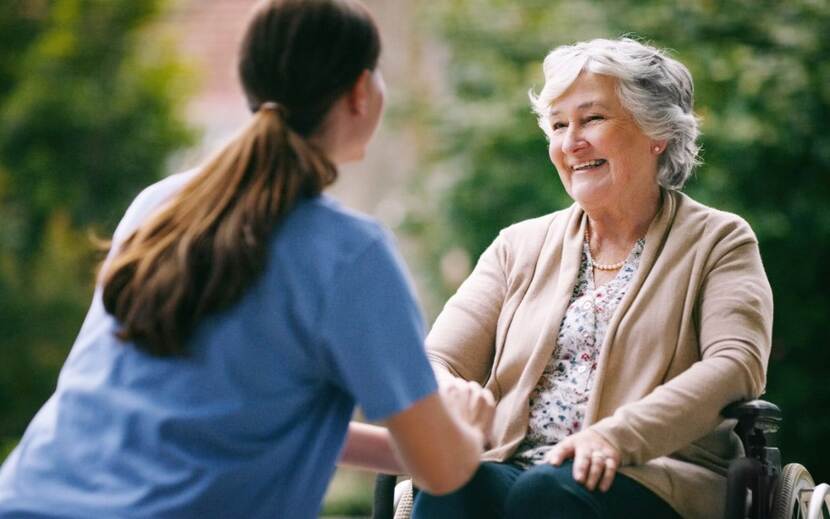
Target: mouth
588	165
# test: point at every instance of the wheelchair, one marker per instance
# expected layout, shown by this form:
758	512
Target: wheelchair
758	487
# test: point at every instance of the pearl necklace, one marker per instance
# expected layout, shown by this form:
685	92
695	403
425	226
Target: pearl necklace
600	266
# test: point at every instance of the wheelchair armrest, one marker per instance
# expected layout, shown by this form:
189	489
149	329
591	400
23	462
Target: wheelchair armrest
757	419
754	414
384	497
393	497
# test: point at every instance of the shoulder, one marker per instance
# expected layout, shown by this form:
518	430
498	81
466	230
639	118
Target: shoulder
326	219
156	194
703	224
527	237
536	226
150	198
704	234
330	236
346	220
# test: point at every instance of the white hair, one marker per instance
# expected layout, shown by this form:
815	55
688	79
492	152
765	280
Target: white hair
656	89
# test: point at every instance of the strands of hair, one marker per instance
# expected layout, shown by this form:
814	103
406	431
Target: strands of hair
202	250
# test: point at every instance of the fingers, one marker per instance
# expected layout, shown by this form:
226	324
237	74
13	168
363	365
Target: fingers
595	468
598	470
582	462
595	461
485	413
561	451
483	409
456	394
471	403
608	477
481	402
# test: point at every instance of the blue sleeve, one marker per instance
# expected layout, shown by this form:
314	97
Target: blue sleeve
373	334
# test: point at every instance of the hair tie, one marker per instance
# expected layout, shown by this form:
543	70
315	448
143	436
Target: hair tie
272	106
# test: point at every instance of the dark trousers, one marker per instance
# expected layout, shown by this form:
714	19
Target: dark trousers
504	490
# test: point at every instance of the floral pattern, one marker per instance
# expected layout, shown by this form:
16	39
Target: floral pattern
557	404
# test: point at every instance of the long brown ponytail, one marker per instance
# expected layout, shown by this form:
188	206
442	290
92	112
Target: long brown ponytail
203	249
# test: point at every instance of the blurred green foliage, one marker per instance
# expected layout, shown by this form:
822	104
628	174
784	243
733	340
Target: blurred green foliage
6	447
763	89
89	113
349	494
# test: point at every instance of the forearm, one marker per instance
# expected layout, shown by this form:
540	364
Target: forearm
440	450
734	329
676	413
450	461
369	447
461	465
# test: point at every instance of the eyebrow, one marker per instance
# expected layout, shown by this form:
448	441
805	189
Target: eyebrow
587	104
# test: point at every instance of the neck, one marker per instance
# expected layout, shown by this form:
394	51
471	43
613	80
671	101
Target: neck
620	227
333	134
327	141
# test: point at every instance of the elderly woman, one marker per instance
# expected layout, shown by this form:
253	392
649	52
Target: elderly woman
613	332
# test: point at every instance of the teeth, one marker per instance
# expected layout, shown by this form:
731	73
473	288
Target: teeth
589	164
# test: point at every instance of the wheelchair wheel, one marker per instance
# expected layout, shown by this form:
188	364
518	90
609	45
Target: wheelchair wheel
791	495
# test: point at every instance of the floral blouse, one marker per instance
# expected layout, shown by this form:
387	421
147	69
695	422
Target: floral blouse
557	404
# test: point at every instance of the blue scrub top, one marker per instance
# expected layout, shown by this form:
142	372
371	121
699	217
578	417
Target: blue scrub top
250	424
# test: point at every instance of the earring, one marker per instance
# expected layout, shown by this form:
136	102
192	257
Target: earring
657	149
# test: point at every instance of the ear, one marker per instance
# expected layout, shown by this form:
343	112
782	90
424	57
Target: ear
358	95
658	147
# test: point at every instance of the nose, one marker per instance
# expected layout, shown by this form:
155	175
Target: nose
574	140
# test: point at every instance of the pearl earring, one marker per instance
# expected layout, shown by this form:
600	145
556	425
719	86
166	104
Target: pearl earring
657	149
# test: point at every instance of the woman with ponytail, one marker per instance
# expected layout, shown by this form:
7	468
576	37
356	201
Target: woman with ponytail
241	315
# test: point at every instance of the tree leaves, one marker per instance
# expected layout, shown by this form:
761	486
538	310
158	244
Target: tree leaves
90	107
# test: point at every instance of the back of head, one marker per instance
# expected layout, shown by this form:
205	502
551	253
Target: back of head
198	253
304	54
655	88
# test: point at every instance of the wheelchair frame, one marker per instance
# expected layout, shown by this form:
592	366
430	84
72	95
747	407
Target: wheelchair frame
757	485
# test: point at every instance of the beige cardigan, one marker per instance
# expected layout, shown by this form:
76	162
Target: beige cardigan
691	335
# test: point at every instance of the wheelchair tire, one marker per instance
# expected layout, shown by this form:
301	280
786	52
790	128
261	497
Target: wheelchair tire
786	502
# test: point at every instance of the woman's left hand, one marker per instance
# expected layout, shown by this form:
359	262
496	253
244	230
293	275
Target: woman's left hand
595	460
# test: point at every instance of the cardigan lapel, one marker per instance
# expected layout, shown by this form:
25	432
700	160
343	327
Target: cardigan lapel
558	293
655	240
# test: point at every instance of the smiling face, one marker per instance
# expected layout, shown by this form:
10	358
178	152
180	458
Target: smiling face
603	158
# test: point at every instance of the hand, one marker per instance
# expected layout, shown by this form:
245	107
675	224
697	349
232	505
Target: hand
470	402
595	460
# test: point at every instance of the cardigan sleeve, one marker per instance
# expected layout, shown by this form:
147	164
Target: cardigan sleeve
734	314
462	340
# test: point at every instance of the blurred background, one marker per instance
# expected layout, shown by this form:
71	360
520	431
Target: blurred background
99	98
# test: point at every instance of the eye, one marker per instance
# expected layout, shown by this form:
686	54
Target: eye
558	125
594	117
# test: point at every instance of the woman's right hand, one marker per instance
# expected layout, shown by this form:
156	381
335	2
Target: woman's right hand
471	403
